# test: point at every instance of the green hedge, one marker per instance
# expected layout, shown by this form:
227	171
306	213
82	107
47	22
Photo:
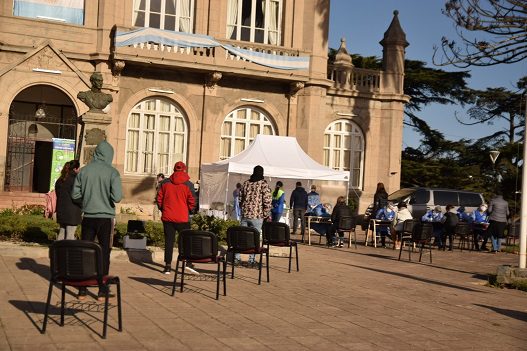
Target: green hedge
28	224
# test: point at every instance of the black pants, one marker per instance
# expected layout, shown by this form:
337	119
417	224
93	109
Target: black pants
170	229
298	213
448	233
100	228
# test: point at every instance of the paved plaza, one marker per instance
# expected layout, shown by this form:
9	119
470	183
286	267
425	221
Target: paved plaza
342	299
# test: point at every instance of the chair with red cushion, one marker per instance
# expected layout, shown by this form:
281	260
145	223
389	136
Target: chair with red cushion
246	240
278	234
198	246
79	263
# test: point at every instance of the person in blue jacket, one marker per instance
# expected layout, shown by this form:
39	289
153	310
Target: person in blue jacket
277	204
436	217
462	215
480	220
387	213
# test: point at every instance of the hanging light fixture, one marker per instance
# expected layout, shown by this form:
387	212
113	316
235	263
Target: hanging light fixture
40	112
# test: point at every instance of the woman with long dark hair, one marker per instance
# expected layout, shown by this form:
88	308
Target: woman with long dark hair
69	214
277	202
380	199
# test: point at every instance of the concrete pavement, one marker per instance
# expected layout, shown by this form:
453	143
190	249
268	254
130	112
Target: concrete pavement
342	299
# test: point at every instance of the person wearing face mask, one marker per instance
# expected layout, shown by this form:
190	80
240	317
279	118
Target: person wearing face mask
387	213
436	217
480	218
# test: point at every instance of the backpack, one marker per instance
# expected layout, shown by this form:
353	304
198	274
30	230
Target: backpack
51	204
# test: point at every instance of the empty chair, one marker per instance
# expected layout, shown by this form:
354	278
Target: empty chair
421	235
79	263
246	240
462	230
197	246
347	225
278	234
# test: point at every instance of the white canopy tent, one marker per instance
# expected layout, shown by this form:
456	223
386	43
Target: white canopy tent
282	159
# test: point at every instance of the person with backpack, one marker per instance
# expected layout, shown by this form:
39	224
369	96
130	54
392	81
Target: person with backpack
449	226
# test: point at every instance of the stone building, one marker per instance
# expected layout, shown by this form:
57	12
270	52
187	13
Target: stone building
191	80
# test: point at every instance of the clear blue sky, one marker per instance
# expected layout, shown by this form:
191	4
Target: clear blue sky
363	24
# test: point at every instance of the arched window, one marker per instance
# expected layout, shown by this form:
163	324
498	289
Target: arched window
257	21
344	149
240	127
156	137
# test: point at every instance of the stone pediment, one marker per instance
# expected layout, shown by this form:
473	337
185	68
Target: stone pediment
45	57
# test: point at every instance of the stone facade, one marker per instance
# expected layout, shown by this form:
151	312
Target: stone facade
208	83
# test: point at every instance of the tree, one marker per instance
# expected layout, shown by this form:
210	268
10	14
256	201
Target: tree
499	104
503	24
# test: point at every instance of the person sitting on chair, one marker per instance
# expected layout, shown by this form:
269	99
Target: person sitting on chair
436	217
340	210
480	220
314	205
386	213
403	214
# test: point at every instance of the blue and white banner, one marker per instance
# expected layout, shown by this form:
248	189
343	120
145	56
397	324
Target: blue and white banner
183	40
164	37
70	11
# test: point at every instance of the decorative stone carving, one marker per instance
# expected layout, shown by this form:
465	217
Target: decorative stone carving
46	59
117	67
295	88
213	79
95	99
88	154
94	136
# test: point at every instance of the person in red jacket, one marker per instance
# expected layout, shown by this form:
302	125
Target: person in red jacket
175	201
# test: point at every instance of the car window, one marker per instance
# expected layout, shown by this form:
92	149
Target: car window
421	196
400	195
444	198
470	199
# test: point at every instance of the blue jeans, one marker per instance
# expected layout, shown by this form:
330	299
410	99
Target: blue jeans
252	223
496	243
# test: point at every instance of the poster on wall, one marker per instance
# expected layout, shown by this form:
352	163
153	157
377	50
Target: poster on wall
63	151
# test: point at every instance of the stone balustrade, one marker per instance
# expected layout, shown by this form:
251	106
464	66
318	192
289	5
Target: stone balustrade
355	79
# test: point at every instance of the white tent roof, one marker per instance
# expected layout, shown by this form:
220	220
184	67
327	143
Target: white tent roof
281	157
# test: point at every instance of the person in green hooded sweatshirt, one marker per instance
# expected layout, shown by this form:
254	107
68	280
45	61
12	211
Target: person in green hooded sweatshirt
98	188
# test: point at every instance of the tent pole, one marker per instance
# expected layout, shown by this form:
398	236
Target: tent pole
226	197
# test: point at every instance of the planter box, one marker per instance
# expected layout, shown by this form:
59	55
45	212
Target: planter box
137	244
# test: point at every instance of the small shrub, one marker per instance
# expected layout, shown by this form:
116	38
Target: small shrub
520	284
30	228
213	224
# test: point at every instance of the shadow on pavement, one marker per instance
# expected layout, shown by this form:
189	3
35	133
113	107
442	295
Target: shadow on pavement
519	315
72	308
30	264
408	276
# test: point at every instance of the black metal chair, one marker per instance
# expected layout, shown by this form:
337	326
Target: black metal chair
79	263
462	230
246	240
347	224
197	246
278	234
421	235
406	235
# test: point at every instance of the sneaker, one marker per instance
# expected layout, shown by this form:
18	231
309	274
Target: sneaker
237	262
83	292
342	245
167	269
252	264
102	293
190	269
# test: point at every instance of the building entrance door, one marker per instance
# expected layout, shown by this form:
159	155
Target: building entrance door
36	115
